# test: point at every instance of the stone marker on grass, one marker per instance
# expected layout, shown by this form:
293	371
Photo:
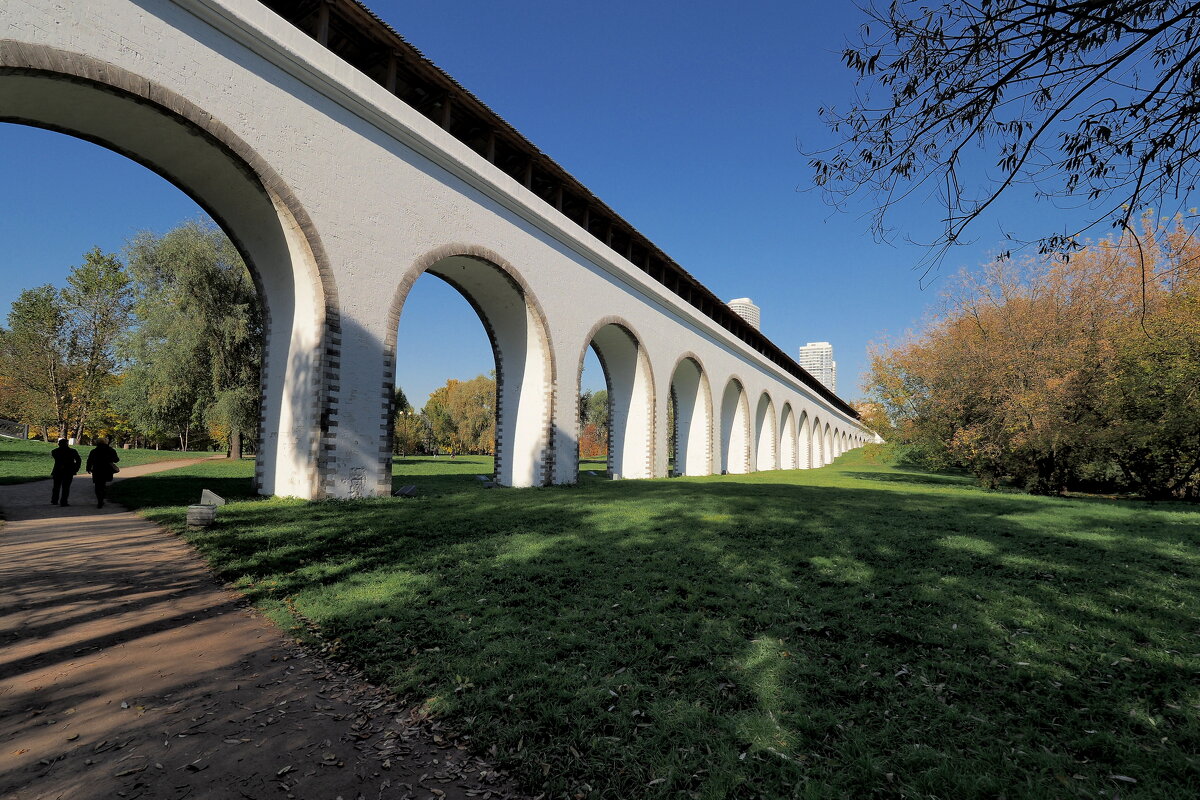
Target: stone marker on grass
204	513
201	516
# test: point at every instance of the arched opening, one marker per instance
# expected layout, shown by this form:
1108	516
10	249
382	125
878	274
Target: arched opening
47	88
818	443
691	404
520	346
804	450
766	450
735	429
828	442
592	433
789	457
630	393
443	413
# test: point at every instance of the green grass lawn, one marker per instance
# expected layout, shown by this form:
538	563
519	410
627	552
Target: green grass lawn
22	461
854	631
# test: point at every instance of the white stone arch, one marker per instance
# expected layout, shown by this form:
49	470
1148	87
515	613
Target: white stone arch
789	454
766	449
836	450
818	442
691	395
827	442
804	452
631	397
735	428
520	340
129	114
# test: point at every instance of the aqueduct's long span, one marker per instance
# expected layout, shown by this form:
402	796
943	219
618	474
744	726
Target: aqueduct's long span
344	166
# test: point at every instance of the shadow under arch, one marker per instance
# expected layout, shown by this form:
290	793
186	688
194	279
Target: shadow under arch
789	456
804	448
766	425
520	340
79	96
631	396
817	450
691	397
735	428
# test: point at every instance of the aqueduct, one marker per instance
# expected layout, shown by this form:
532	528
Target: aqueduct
344	165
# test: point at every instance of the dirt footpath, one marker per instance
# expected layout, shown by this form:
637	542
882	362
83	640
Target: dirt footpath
127	670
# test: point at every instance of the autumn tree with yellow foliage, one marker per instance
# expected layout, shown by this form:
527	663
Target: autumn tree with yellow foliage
1060	374
462	415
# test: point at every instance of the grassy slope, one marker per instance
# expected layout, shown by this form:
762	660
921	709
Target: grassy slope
30	460
853	631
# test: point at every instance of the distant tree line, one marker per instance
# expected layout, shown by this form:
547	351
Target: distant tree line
160	348
460	418
1055	374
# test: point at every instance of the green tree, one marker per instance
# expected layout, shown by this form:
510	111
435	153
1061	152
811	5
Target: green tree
97	302
408	428
34	358
462	415
196	353
597	411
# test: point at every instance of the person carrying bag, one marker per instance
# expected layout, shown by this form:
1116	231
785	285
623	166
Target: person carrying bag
102	464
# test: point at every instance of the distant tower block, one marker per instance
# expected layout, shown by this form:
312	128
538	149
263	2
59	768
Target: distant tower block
744	307
817	359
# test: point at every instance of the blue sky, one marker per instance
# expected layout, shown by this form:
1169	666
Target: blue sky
685	118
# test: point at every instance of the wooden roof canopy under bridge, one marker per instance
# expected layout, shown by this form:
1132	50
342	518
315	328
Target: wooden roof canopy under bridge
355	34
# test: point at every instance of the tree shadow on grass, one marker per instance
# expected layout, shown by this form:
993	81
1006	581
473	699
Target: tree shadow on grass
917	478
752	639
170	489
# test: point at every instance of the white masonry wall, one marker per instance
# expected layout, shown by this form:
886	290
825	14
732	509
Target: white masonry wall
341	196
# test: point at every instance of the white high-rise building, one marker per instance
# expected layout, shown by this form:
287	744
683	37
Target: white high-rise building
817	359
744	307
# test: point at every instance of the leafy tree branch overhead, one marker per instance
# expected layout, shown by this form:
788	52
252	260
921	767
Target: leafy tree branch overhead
1094	103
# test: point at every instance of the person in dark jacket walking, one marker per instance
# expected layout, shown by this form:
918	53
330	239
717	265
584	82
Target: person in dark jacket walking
66	464
102	464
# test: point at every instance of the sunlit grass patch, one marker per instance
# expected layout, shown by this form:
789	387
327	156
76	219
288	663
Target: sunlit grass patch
23	461
853	631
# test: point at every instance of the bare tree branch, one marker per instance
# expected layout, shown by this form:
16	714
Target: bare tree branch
1096	101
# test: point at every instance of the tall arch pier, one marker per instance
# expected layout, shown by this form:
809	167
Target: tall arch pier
344	166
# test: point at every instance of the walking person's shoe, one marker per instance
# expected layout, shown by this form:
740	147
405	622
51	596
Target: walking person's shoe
64	504
100	504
